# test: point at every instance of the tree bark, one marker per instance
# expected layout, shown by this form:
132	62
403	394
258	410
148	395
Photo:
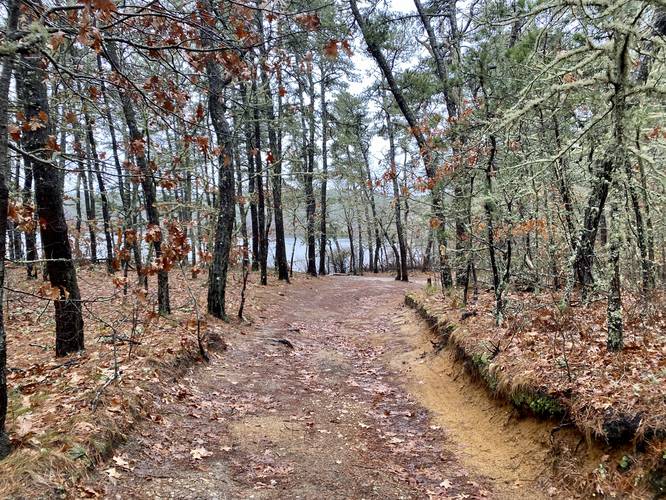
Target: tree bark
106	216
83	179
402	263
49	198
614	340
5	81
324	177
352	256
374	259
91	208
259	185
27	196
647	278
15	232
249	146
310	204
217	276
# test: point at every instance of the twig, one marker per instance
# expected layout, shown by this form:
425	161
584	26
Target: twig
121	338
98	393
200	338
41	346
281	341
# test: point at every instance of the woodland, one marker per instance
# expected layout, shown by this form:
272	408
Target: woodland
171	168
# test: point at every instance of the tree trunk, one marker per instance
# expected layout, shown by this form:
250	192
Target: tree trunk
352	256
259	185
647	277
106	217
91	208
360	265
584	254
17	248
428	253
217	276
489	208
614	340
5	81
26	195
373	210
49	198
649	230
324	178
249	146
79	219
275	163
402	262
372	251
242	206
310	204
90	217
128	212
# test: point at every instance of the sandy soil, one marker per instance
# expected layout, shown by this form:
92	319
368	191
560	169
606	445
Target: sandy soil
361	407
487	434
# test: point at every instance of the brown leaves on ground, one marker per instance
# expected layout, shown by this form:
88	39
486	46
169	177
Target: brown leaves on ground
51	421
326	419
563	354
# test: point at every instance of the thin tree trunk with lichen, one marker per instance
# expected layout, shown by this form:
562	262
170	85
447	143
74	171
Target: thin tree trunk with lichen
614	340
217	276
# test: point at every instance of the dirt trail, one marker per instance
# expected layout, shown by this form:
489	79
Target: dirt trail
360	408
488	435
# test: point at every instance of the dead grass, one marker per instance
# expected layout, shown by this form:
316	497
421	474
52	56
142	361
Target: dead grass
554	363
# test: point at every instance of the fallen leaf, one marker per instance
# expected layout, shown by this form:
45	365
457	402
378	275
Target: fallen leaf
121	462
113	473
24	425
446	484
199	453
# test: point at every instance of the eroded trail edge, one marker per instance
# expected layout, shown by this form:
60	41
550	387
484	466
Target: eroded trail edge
358	408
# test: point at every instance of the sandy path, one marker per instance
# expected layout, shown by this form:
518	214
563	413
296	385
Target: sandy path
339	416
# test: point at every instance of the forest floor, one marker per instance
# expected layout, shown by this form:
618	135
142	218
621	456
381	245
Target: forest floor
332	389
360	407
553	363
328	418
